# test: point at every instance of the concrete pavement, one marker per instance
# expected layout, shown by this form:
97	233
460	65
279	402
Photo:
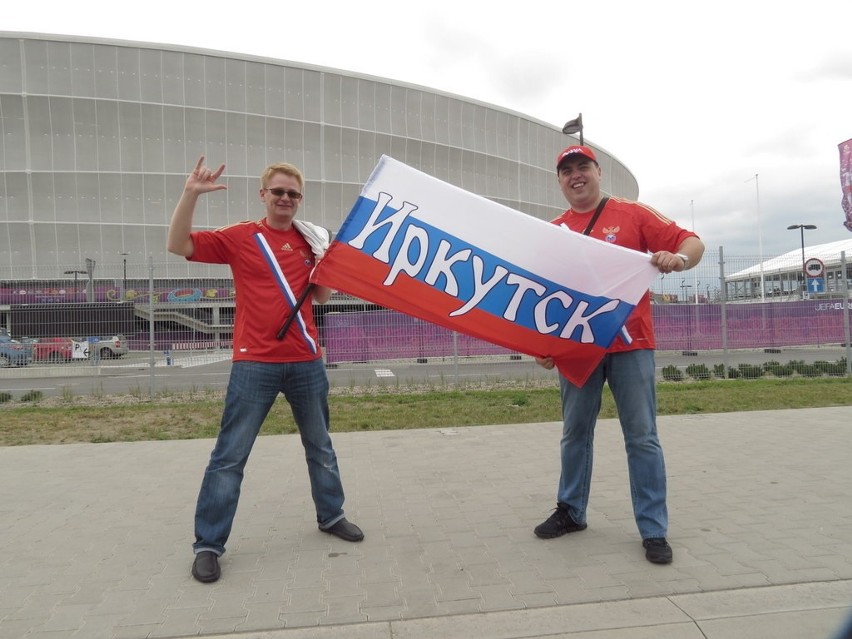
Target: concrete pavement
96	538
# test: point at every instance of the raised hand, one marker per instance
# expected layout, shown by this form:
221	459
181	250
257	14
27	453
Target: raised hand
203	179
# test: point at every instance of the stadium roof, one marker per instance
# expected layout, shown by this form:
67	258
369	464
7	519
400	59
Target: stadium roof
828	253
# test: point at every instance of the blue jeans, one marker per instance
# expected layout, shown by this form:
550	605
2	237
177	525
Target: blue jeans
252	389
630	376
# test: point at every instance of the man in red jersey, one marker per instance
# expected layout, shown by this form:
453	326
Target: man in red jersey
271	260
628	366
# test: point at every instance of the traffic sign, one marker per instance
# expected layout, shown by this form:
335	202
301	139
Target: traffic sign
816	285
814	267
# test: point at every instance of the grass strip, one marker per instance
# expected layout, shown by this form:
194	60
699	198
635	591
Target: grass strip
174	416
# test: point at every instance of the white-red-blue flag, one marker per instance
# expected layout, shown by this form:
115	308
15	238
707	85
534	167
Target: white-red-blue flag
426	248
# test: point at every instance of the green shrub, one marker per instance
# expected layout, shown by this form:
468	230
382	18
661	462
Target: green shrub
797	365
778	369
750	371
719	370
672	373
835	369
5	397
32	396
809	370
733	373
698	371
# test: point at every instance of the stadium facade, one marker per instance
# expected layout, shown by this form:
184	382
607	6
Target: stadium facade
98	136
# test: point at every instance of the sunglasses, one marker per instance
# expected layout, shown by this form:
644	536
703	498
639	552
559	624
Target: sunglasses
293	195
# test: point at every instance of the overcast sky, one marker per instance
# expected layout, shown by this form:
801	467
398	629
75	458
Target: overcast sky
695	99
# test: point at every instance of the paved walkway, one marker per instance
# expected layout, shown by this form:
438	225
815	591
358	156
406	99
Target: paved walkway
96	538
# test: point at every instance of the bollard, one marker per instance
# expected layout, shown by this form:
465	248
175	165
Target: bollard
168	355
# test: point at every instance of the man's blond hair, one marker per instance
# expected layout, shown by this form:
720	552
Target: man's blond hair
286	169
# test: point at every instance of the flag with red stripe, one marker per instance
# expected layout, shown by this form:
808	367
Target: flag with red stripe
429	249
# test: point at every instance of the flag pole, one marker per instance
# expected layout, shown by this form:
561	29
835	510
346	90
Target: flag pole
283	330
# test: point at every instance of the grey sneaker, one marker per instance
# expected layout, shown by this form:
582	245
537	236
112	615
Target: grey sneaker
657	550
558	524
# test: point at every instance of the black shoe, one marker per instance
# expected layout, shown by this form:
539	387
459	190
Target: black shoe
205	568
558	524
346	530
657	550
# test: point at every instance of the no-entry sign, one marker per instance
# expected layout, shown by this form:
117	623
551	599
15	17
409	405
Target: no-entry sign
814	267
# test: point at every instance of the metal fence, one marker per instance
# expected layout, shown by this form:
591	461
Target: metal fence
724	303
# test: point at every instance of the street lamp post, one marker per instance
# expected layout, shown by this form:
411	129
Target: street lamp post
694	271
90	286
802	228
683	292
124	280
759	237
689	329
74	273
574	126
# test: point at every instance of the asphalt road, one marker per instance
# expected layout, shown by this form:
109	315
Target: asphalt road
136	375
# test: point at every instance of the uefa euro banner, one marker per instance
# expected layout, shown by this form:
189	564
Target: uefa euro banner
426	248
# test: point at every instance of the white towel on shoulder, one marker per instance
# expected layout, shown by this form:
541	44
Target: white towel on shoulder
315	235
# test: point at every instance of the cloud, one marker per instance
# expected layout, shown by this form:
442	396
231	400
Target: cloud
836	66
728	216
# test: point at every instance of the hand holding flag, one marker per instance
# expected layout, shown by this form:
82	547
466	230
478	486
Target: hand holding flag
421	246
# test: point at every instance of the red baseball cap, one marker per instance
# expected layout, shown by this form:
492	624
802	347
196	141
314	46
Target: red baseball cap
571	151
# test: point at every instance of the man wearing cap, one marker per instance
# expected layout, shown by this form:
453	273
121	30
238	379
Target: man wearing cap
627	366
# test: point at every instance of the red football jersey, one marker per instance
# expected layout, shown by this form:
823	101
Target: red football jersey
271	269
639	227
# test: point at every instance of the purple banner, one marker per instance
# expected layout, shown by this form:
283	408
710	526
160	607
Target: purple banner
699	326
846	180
379	335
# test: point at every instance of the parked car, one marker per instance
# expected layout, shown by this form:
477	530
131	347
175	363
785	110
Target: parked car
51	349
107	347
14	353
